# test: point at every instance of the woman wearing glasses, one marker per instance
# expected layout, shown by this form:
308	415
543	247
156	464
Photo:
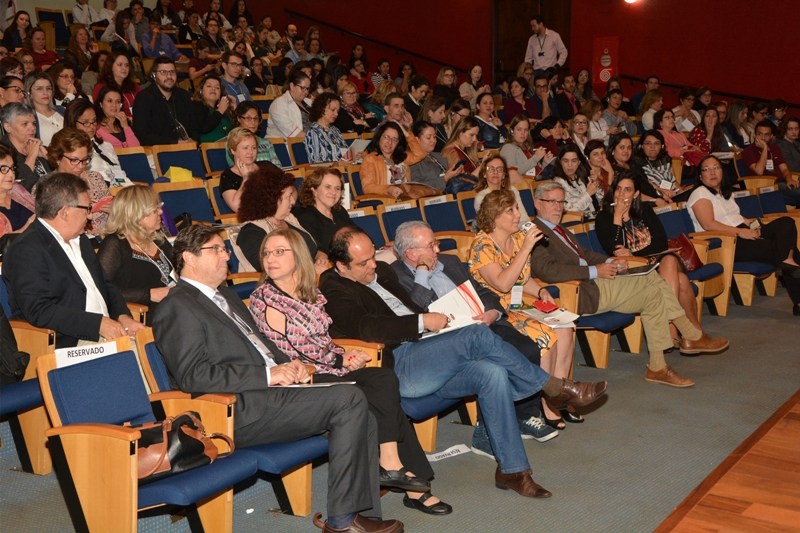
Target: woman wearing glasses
712	208
289	310
494	176
135	254
30	157
353	117
39	87
11	90
500	261
16	203
71	151
248	116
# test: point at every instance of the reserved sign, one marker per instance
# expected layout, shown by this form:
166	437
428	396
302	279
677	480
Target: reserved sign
81	354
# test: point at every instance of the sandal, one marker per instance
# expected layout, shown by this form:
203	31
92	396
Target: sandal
557	423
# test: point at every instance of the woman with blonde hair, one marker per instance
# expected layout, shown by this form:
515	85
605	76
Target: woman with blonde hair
652	102
135	254
446	86
378	99
352	117
290	311
520	154
243	148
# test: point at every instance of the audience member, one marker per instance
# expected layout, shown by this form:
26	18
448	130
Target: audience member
583	190
677	144
615	116
84	14
652	157
53	275
434	170
16	203
82	116
713	209
385	168
65	90
18	31
601	290
764	158
248	116
471	89
135	255
321	212
788	143
30	156
518	103
11	90
519	152
446	86
257	82
494	176
620	153
651	83
213	110
323	141
80	49
164	112
600	168
418	88
39	88
583	87
652	102
686	118
226	359
113	125
117	74
155	43
288	114
365	299
492	134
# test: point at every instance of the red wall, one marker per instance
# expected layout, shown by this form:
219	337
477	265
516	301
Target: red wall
730	46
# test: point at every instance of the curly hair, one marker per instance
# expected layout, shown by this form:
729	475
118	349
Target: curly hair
320	104
131	204
493	205
313	180
261	192
66	140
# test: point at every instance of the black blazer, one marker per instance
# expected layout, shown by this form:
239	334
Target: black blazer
206	352
48	292
358	312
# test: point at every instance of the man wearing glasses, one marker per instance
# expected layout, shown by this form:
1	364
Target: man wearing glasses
563	259
232	68
288	114
163	112
53	274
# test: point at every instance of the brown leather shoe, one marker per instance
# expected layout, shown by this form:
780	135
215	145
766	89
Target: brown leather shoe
522	482
704	344
577	394
361	524
667	376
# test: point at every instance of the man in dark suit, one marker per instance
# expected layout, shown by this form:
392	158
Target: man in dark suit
211	345
366	301
601	290
53	274
427	276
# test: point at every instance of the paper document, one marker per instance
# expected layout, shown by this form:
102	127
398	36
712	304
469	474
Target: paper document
559	317
359	145
639	270
460	305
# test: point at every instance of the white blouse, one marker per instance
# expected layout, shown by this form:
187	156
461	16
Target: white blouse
725	211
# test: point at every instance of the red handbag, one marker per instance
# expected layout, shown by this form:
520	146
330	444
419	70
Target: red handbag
687	253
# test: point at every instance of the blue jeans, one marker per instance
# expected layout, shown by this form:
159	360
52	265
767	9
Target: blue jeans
474	361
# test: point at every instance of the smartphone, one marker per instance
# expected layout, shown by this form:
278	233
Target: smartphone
528	225
460	163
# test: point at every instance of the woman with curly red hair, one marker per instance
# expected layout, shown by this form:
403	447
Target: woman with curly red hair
266	204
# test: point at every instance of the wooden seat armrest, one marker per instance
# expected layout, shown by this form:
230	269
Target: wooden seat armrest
373	349
104	431
180	395
243	277
701	249
569	291
711	235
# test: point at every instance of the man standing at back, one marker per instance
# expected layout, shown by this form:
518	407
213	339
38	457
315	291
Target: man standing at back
545	49
211	345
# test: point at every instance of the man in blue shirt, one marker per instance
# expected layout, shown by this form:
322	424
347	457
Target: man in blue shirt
232	66
156	44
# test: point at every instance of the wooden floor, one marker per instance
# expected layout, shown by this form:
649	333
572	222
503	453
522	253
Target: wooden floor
756	488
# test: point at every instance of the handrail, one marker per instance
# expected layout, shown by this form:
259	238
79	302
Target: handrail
735	96
361	36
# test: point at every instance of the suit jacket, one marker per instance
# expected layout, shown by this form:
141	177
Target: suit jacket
558	262
358	312
206	352
48	292
458	274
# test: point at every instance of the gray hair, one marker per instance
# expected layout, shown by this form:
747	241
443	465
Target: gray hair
57	190
546	187
404	238
12	110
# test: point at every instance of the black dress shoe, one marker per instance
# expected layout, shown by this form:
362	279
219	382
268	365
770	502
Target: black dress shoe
439	508
400	480
569	416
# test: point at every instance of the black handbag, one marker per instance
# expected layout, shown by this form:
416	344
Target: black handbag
12	362
176	445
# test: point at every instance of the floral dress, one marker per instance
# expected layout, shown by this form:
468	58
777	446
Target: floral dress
485	252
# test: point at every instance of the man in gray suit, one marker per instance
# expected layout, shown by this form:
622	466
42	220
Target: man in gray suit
602	290
211	345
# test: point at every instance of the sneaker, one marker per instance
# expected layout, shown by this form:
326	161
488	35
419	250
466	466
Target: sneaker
480	441
535	428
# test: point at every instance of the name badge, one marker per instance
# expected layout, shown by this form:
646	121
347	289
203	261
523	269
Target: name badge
770	165
516	296
666	185
240	98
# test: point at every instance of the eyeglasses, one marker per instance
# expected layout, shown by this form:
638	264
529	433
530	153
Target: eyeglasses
277	252
86	208
167	73
562	203
349	93
579	122
77	160
217	249
43	89
495	170
5	169
431	245
248	117
156	207
235	64
87	122
304	88
715	167
393	140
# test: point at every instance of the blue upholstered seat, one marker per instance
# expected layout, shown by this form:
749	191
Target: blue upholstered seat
705	272
426	406
20	396
606	322
753	267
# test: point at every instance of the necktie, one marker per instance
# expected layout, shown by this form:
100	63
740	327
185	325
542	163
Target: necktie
560	231
222	303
